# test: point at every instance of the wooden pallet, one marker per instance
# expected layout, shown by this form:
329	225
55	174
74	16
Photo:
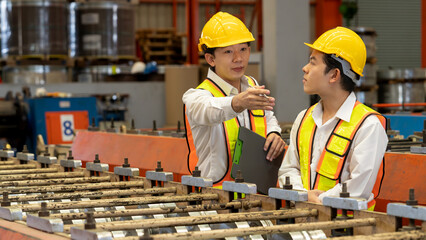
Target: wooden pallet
142	33
161	45
36	60
102	60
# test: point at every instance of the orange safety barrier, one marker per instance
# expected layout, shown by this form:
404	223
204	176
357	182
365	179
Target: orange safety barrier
13	230
402	172
142	151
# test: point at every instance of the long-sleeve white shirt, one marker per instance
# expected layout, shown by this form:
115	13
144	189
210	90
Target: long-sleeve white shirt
205	115
363	160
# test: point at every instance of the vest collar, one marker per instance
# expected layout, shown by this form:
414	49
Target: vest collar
227	88
344	113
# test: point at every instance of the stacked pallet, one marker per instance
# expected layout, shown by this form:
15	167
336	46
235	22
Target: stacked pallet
161	45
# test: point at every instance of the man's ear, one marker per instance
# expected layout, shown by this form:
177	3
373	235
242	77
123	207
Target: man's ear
210	59
334	75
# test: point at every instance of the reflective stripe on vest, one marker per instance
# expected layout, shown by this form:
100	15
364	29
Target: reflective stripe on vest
333	156
230	127
307	139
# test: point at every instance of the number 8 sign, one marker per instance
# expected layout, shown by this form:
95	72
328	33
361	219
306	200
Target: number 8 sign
67	127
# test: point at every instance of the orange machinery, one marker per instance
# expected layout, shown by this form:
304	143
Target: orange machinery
402	170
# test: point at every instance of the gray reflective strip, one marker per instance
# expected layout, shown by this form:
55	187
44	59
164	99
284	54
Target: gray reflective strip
346	68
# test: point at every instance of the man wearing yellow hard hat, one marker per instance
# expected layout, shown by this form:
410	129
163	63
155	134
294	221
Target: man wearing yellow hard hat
226	100
338	140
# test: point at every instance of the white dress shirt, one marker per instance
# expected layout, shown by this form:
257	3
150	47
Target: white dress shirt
205	115
363	160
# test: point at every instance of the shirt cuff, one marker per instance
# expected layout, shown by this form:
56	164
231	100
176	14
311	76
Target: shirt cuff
279	134
334	192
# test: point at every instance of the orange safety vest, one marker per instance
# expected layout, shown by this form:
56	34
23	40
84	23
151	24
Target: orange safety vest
333	157
230	127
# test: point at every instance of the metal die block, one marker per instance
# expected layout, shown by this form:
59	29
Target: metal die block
159	176
6	153
155	133
10	213
119	234
113	130
82	234
345	203
178	134
246	188
290	195
134	131
25	156
126	171
47	159
415	149
98	167
312	234
46	224
406	211
70	163
196	181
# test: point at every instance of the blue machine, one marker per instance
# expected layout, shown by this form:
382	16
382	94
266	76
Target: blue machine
406	124
56	119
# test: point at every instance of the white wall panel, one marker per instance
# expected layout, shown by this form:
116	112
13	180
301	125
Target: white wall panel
286	28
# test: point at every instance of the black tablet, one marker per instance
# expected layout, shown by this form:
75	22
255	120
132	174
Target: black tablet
250	158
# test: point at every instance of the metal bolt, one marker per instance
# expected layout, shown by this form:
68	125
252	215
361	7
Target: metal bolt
411	200
196	172
126	162
70	157
5	201
146	235
90	221
43	211
133	123
239	178
46	152
178	127
344	193
97	159
159	168
25	149
287	184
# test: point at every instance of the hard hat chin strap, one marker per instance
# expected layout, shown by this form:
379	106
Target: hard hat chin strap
346	68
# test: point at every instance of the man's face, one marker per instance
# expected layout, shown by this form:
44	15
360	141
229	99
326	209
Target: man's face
315	80
230	62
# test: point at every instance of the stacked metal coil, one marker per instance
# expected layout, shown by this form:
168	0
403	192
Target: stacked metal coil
102	29
402	89
366	89
34	28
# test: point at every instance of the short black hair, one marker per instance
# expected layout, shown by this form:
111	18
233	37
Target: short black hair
208	50
331	63
211	50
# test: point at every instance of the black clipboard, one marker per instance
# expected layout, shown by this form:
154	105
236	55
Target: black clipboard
250	158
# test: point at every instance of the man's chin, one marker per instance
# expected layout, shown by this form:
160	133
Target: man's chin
307	91
236	78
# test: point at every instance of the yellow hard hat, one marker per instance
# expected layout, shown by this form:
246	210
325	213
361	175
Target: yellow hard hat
344	43
224	30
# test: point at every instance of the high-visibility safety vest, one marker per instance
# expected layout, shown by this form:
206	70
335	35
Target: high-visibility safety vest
333	157
230	128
